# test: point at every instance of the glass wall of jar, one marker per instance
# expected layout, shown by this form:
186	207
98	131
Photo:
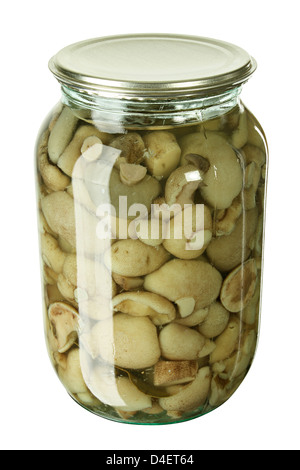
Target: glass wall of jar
151	236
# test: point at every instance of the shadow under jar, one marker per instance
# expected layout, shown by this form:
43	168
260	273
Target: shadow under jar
151	176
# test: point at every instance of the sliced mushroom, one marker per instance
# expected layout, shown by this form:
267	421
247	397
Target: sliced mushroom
224	179
71	376
52	294
72	152
44	226
239	362
58	209
66	288
190	396
198	161
227	341
249	193
222	390
239	286
118	392
53	178
178	342
174	372
128	283
69	269
52	255
253	154
49	276
61	133
225	223
64	320
162	154
186	278
250	312
227	251
186	306
182	185
198	316
159	309
133	258
134	399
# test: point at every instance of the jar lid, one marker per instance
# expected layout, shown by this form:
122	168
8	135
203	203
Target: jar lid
152	65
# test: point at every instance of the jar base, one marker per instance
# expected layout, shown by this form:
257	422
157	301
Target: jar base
155	419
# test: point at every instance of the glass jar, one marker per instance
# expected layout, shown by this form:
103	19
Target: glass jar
151	180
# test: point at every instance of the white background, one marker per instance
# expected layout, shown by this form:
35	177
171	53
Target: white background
35	411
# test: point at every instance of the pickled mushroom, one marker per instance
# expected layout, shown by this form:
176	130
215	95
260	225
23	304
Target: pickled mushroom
224	167
159	309
186	278
163	153
125	341
64	320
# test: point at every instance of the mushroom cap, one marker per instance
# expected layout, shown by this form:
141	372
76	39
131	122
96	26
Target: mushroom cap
224	179
64	320
163	153
143	191
134	399
190	396
159	309
126	341
178	342
216	320
198	316
58	209
132	147
189	245
228	251
186	278
182	184
72	152
134	258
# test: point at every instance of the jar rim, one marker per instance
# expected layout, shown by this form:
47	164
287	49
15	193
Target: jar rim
143	66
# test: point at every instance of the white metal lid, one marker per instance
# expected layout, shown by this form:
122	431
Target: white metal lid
152	65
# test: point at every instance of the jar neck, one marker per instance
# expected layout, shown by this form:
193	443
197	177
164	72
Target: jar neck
152	113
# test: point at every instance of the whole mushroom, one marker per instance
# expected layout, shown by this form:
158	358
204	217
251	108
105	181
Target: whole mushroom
224	178
179	279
